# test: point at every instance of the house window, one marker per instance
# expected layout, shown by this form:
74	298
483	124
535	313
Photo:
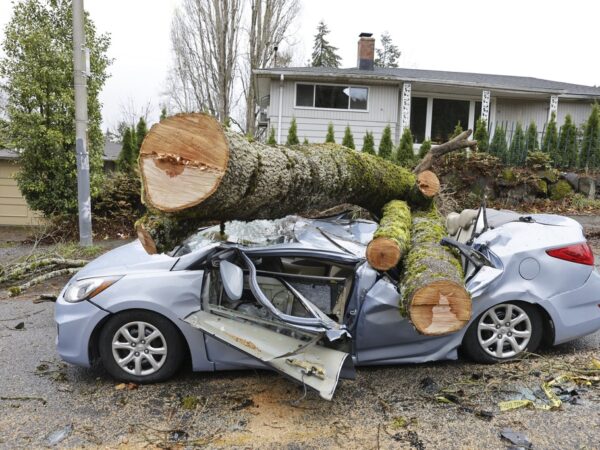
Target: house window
418	118
446	114
328	96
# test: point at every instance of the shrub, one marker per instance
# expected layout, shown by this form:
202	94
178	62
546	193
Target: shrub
292	138
590	145
567	143
538	160
386	145
498	145
424	149
125	161
368	143
348	140
516	151
272	141
457	130
330	138
550	144
481	135
305	142
560	190
405	155
531	138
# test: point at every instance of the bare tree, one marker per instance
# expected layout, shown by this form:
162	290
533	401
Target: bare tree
205	37
270	21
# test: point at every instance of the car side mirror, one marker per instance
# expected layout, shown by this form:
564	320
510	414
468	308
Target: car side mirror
232	278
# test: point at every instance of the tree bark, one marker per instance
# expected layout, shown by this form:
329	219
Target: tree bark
391	240
432	286
459	142
195	172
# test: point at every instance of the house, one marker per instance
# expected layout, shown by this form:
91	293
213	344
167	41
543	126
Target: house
13	207
429	102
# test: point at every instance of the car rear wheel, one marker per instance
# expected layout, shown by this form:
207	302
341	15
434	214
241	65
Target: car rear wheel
140	346
504	332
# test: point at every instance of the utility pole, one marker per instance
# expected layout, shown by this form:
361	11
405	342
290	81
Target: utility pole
81	72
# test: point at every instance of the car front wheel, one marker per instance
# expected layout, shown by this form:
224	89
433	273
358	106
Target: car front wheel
504	332
140	346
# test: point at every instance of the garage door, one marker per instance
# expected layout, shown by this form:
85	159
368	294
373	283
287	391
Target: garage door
13	207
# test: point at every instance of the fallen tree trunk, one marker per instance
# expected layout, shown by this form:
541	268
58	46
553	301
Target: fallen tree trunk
457	143
391	240
432	287
193	172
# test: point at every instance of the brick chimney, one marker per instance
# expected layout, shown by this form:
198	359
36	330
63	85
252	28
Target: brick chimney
366	51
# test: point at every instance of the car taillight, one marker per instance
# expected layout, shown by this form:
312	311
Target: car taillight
577	253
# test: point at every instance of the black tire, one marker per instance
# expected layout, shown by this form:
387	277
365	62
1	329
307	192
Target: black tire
473	349
174	342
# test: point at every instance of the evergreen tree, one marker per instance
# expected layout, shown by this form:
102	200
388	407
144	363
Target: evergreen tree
127	155
141	130
271	140
330	138
386	145
324	54
567	143
388	54
498	145
550	144
405	155
531	139
305	142
163	113
348	140
516	151
292	138
424	149
481	135
368	143
36	70
590	145
457	130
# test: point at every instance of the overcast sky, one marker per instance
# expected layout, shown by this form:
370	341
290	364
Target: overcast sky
544	39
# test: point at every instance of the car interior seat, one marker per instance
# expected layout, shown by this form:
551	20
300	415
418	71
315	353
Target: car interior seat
460	225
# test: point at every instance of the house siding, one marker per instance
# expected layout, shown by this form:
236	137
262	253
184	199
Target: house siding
312	123
13	207
512	111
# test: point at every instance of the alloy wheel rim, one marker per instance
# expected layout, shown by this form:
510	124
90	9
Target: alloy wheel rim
139	348
504	331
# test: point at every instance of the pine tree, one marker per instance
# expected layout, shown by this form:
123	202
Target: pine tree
457	130
481	135
386	145
388	54
348	140
292	138
590	145
550	144
498	145
531	138
516	151
330	138
405	155
424	149
272	141
324	54
126	157
141	130
163	113
368	143
567	143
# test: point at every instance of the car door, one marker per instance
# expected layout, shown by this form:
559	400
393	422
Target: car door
270	319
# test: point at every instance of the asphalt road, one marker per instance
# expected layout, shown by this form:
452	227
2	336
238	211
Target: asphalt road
44	401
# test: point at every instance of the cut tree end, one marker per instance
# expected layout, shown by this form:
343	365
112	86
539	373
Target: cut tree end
146	240
383	253
439	308
182	161
428	183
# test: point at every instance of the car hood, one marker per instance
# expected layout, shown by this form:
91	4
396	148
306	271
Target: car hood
126	259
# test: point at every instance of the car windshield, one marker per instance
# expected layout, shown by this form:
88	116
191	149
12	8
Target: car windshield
257	233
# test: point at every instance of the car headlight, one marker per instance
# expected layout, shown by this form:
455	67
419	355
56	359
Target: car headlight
87	288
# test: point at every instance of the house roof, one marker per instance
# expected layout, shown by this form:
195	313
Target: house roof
111	152
491	81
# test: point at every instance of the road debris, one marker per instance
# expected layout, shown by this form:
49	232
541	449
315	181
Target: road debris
58	436
126	386
516	438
